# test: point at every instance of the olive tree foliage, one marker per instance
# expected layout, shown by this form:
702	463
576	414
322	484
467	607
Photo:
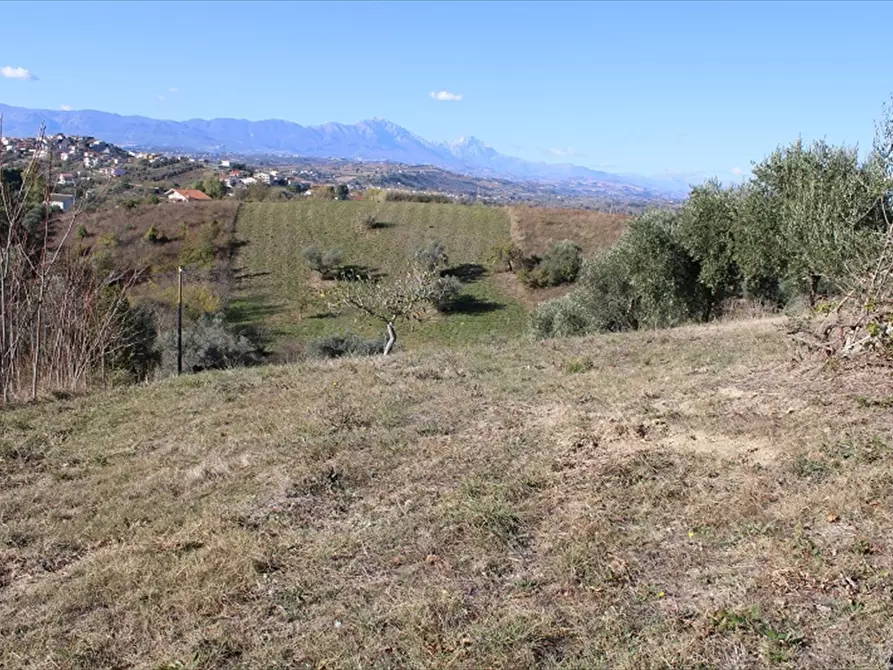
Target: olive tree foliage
812	217
604	300
560	264
324	261
647	280
707	231
663	276
860	319
812	221
431	255
404	295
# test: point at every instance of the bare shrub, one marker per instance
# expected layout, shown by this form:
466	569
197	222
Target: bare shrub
62	316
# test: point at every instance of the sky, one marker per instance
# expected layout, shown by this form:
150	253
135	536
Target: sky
672	89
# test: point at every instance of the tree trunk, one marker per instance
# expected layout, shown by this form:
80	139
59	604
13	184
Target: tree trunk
35	369
813	289
392	338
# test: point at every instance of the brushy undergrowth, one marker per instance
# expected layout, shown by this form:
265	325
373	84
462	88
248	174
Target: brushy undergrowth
346	344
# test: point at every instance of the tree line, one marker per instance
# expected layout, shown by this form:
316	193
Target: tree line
809	227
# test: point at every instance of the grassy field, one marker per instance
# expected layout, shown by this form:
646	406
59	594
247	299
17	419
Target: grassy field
534	228
690	498
278	290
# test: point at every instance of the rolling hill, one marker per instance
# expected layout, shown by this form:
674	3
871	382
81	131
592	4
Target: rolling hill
374	139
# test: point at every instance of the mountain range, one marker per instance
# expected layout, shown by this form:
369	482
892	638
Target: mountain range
373	140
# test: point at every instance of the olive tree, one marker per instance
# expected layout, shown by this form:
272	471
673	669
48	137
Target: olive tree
812	212
862	318
707	230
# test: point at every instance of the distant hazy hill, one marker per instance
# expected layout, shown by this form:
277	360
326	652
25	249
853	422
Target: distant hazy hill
375	139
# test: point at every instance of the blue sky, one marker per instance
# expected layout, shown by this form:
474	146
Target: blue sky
648	88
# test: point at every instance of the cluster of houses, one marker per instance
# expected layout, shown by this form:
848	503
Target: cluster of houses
236	178
88	152
79	158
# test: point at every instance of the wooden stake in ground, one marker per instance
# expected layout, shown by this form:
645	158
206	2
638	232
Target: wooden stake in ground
179	320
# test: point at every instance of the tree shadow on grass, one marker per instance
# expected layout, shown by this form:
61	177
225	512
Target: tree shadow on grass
466	273
248	275
469	304
232	246
249	310
359	272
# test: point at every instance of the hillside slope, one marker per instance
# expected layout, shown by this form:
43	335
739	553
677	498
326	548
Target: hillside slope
663	499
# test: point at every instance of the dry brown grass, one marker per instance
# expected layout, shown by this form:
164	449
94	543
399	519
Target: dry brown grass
121	233
682	498
534	228
174	222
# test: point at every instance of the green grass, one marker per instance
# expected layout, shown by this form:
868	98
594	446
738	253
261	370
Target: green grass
283	295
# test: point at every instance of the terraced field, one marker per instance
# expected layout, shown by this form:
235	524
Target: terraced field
277	290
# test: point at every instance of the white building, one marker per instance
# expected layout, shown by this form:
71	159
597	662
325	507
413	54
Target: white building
186	195
62	201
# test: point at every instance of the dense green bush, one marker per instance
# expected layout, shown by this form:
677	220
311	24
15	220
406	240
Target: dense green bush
431	255
447	289
604	300
707	231
559	265
809	223
209	344
810	219
662	276
325	262
347	344
646	280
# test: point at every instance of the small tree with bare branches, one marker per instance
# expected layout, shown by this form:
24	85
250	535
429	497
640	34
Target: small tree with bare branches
406	295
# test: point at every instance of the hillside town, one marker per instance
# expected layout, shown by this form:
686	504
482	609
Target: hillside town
89	168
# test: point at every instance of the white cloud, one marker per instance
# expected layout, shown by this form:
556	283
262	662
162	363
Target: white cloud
10	72
565	153
738	172
446	96
168	93
65	108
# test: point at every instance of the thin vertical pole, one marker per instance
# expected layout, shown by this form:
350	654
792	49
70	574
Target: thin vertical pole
180	320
